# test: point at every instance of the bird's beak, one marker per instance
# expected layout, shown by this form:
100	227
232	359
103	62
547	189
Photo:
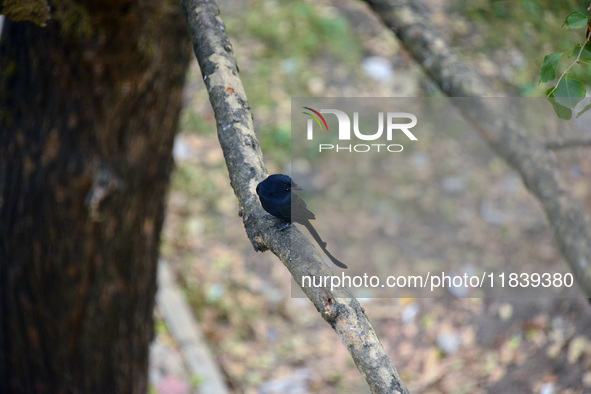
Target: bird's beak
295	187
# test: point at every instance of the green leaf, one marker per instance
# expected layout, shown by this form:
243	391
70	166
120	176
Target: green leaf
569	92
587	108
562	112
575	20
549	66
585	55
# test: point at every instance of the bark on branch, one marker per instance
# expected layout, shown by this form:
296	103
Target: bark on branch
527	156
568	143
245	165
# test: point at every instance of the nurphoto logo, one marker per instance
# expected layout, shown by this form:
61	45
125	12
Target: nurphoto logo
395	122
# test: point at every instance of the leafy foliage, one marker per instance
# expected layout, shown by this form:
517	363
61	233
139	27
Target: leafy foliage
575	20
569	90
514	33
549	66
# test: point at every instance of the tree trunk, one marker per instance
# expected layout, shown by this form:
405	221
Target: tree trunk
89	107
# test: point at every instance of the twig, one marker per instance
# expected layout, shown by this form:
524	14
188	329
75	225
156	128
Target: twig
572	64
529	157
570	143
245	166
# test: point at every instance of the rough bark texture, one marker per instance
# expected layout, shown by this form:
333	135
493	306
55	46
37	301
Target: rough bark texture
245	165
88	111
529	157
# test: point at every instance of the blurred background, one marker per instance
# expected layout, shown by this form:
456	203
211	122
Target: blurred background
264	340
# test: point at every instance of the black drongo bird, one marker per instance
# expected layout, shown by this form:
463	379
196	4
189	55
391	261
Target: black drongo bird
277	199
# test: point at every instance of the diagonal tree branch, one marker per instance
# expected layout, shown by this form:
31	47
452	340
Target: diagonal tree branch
245	166
527	156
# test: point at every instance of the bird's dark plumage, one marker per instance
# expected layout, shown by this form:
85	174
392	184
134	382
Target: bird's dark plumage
275	194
